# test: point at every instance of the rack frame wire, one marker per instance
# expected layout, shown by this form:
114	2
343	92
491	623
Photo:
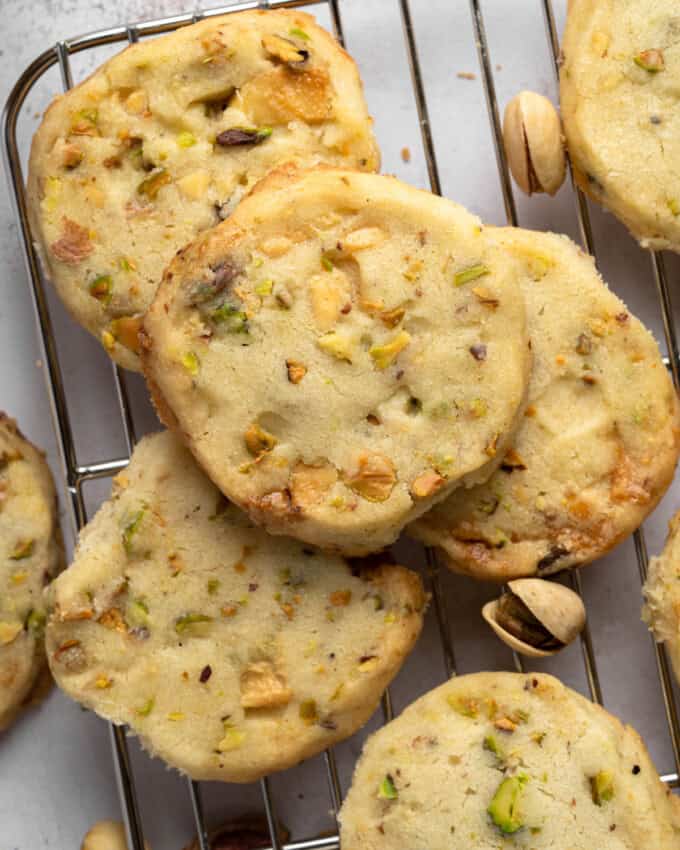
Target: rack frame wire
76	474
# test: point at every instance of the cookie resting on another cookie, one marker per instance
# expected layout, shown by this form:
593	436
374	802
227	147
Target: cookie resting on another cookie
340	354
501	760
599	441
162	141
31	553
619	91
229	653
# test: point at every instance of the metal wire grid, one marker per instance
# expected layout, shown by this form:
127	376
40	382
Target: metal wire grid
76	474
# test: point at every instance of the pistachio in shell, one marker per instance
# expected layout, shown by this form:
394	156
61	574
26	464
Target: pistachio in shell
536	617
532	136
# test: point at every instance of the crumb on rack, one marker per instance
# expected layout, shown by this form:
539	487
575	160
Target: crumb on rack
466	75
499	67
406	154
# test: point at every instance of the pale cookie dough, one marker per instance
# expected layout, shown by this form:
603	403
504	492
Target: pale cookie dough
229	653
600	437
31	554
341	353
162	141
494	761
619	92
661	611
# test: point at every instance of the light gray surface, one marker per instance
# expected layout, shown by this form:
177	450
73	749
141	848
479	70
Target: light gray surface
56	776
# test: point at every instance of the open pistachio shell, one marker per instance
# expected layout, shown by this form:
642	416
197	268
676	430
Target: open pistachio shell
558	610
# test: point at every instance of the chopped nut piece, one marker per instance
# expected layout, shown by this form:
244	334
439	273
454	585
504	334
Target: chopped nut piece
505	724
296	371
71	156
285	50
339	346
478	351
387	789
584	344
484	296
193	622
602	787
101	287
130	528
391	318
470	273
191	362
309	483
650	60
285	94
185	139
365	237
74	243
384	355
125	330
504	808
263	687
328	293
340	598
232	740
84	123
308	712
146	709
113	619
237	136
373	477
258	441
23	549
151	186
427	484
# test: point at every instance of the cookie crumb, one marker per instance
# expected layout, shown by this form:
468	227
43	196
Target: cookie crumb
406	154
466	75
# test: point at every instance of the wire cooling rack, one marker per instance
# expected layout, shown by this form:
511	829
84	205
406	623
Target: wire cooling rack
76	474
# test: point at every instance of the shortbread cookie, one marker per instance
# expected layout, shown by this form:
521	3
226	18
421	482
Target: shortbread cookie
229	653
341	353
162	141
619	89
662	594
30	555
501	760
600	437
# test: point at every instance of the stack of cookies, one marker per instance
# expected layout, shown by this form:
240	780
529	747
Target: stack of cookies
338	357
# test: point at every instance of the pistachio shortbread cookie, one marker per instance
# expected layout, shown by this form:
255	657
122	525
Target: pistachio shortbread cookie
229	653
499	760
341	353
600	437
619	90
662	594
162	141
31	554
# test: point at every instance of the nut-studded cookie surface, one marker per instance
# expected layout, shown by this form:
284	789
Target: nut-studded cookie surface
341	353
229	653
598	442
162	141
30	554
619	89
496	760
662	594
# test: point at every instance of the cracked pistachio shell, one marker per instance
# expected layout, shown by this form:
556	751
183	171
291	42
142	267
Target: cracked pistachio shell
557	608
532	135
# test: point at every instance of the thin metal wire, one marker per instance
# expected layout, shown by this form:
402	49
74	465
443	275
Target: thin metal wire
75	474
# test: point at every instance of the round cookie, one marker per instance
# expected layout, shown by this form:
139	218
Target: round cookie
499	760
162	141
30	554
619	89
339	354
600	437
661	611
230	654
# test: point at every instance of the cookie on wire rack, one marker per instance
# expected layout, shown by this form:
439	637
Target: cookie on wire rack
661	591
500	760
161	142
31	553
230	653
600	437
618	90
340	354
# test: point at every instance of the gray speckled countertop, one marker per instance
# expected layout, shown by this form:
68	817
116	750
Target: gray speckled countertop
57	776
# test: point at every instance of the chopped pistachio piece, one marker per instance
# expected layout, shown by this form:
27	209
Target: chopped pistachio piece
213	586
384	355
296	32
470	273
264	288
602	787
191	362
236	136
258	441
190	620
138	612
504	808
131	528
229	316
23	549
101	287
146	709
650	60
151	185
337	345
387	789
491	744
232	740
185	139
85	122
467	706
327	263
35	622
